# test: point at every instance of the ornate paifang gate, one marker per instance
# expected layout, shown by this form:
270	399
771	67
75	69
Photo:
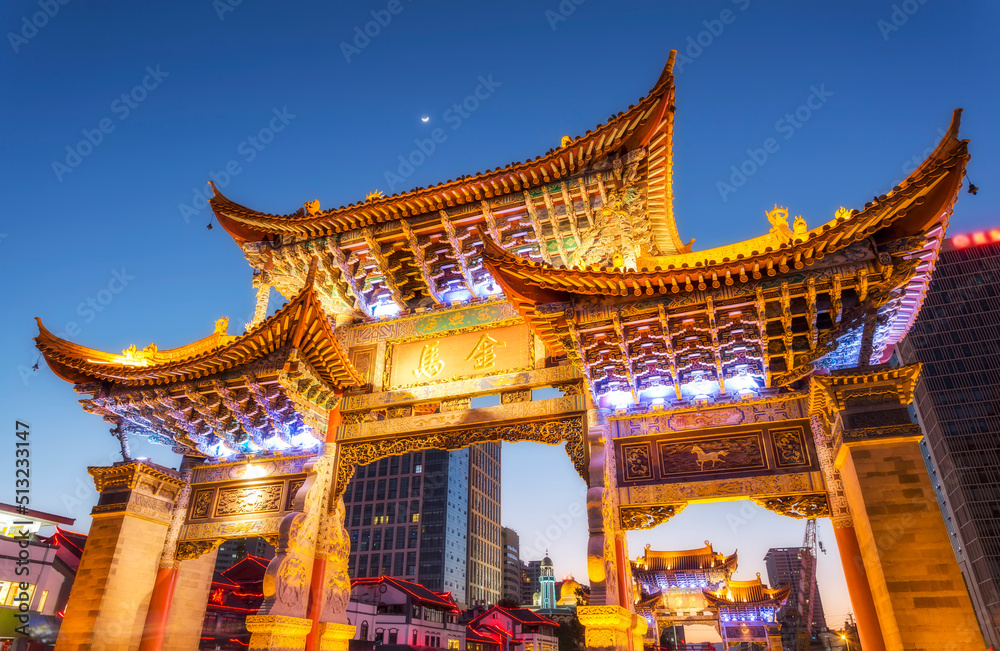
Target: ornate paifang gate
751	370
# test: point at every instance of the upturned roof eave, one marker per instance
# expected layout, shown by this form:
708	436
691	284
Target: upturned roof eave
79	364
248	225
949	159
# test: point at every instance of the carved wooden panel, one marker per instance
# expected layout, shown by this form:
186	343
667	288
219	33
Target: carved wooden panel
247	501
755	449
363	359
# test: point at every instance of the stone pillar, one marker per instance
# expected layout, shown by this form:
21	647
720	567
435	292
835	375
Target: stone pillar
915	582
193	584
110	596
610	621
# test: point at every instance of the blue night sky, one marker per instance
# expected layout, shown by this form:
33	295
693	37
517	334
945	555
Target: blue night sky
107	242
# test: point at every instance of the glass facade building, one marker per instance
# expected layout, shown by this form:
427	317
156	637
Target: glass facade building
432	517
957	339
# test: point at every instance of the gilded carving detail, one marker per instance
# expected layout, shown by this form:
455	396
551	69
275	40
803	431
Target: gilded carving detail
245	501
518	395
647	517
790	447
806	482
637	461
337	582
797	506
445	419
190	550
697	456
473	386
201	505
568	429
458	356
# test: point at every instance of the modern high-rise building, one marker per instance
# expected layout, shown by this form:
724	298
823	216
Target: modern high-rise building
484	555
957	339
233	551
510	543
432	517
784	568
530	573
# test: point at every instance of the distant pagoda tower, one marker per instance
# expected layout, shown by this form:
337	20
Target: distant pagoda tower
547	585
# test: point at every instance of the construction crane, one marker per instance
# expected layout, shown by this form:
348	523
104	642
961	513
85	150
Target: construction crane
807	587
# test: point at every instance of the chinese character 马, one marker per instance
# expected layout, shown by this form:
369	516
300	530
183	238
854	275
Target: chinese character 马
430	363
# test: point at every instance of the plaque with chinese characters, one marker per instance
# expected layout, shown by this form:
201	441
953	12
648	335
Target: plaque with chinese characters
460	356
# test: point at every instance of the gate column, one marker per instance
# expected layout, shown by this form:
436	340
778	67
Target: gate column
610	621
901	538
110	596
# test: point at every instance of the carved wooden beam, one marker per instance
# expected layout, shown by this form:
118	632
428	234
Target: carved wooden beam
491	223
668	340
418	256
349	279
588	210
375	249
836	300
556	232
626	359
460	258
571	213
811	312
716	353
603	190
536	224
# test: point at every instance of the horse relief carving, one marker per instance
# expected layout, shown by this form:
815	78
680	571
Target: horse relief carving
708	457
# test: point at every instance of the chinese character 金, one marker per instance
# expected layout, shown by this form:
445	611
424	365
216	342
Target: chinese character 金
430	363
483	354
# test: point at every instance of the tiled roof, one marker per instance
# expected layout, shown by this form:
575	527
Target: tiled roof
704	558
420	593
648	122
747	592
919	203
300	323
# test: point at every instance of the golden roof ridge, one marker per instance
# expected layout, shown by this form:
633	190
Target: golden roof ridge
250	225
216	353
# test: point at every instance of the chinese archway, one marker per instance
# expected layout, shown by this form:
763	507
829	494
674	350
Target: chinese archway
754	370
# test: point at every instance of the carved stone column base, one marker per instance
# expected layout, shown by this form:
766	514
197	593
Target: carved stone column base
278	632
335	637
607	627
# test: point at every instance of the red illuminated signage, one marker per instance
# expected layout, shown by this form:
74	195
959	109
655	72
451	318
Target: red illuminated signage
982	237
